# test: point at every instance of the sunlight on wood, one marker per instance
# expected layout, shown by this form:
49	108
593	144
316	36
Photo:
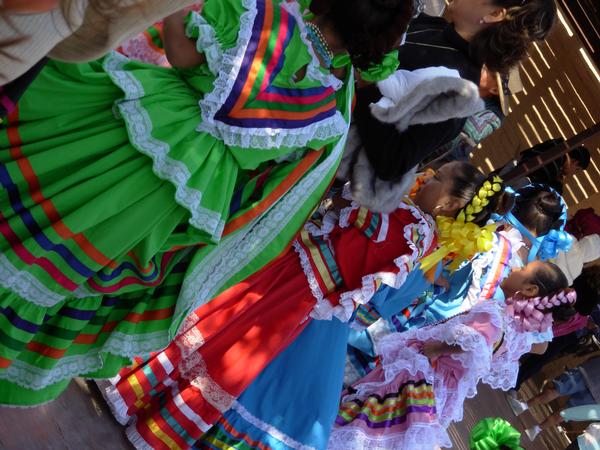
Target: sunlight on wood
560	130
564	24
537	113
585	194
537	47
595	166
575	201
529	143
590	64
533	128
578	97
562	110
550	49
587	175
536	68
524	70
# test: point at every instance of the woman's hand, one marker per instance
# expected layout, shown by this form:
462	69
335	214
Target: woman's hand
180	50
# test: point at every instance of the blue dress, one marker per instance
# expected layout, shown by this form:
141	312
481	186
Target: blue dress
293	403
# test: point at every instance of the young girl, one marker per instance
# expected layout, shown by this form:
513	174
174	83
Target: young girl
228	342
112	169
426	373
538	216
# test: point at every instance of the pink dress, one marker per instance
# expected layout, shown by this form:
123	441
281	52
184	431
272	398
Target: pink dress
408	402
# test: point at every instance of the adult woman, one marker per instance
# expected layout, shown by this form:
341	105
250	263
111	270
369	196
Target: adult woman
496	33
355	254
113	169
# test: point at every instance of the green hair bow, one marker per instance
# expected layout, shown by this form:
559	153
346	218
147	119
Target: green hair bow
494	433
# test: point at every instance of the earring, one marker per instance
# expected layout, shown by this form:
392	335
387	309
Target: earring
481	21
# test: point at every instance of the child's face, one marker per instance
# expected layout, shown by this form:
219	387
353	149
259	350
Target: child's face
520	280
433	197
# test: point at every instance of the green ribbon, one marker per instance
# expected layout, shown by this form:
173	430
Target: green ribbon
376	72
379	72
305	6
493	433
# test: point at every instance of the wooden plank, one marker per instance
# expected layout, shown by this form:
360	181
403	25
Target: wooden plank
78	420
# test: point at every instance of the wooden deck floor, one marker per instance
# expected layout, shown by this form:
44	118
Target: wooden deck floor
80	420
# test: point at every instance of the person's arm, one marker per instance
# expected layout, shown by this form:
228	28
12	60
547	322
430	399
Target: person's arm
434	349
180	50
539	349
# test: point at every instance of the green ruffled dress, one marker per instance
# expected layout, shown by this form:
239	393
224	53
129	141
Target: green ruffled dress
135	193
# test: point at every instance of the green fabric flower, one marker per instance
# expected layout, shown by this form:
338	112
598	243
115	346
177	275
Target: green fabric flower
378	72
494	433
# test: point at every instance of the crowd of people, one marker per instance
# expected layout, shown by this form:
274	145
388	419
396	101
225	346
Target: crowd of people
256	222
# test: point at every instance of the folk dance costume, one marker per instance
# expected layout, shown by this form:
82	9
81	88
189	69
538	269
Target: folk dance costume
112	169
406	402
177	395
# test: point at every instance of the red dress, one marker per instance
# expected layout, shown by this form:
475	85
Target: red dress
179	393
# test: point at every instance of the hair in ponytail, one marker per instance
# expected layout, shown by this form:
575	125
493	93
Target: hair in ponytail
504	44
538	313
368	28
538	209
485	196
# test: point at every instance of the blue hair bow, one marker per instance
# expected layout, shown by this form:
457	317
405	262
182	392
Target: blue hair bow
547	246
554	242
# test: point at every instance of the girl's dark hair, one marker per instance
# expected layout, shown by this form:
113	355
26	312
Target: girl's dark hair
504	44
550	280
587	286
466	183
368	28
538	209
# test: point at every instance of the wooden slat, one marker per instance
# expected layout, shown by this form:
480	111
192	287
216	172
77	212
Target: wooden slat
561	100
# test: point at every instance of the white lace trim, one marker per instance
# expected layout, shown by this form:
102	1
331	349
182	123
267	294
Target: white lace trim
313	69
505	362
479	264
404	263
207	42
417	436
139	49
269	429
256	138
236	251
139	127
136	438
115	402
25	285
119	344
193	368
475	358
7	405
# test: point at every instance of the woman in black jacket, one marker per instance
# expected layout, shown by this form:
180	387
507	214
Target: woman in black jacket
496	33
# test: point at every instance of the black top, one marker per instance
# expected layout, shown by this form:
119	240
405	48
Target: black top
549	174
430	41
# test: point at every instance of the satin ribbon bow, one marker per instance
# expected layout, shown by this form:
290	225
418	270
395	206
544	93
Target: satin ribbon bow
461	239
494	433
555	241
